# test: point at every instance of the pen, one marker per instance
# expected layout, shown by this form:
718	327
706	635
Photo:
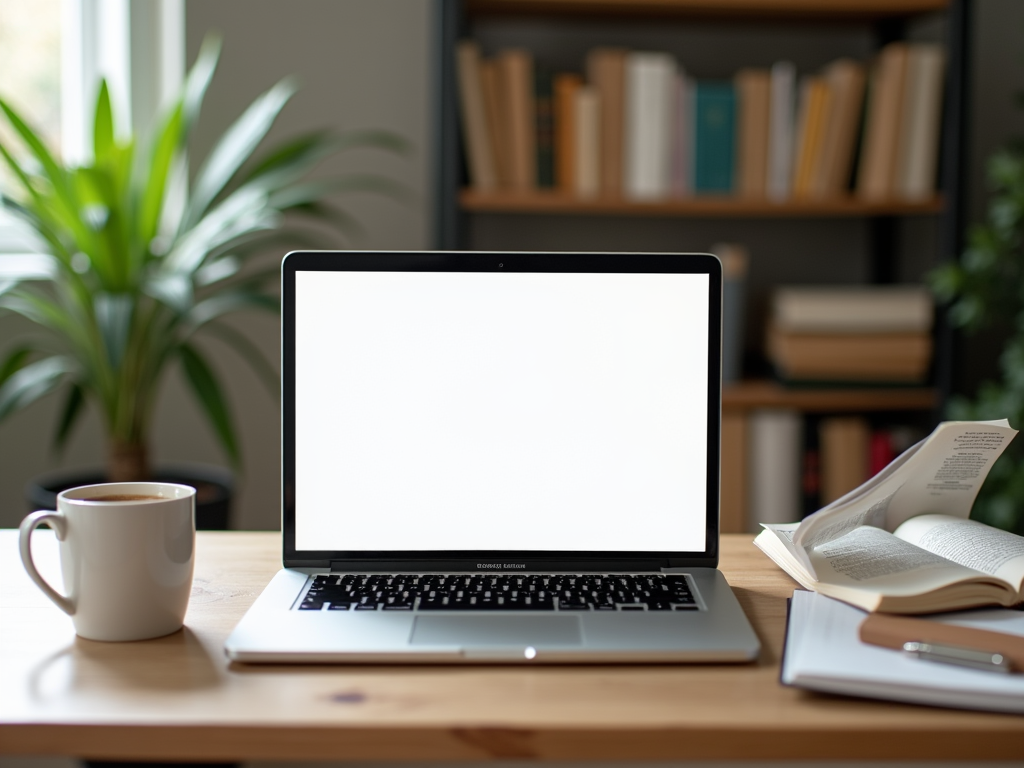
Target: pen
961	657
944	642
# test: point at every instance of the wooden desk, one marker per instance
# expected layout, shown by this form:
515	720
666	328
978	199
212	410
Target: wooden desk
177	698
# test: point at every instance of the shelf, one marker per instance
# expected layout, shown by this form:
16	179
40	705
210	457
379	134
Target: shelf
701	206
729	10
766	394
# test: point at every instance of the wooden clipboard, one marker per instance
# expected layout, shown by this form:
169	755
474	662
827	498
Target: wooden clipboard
893	631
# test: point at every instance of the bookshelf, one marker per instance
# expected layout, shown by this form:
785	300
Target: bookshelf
553	202
874	233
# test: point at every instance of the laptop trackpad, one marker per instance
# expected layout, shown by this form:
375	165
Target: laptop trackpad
516	631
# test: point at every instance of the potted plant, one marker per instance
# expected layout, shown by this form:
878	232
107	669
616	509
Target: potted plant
126	279
985	289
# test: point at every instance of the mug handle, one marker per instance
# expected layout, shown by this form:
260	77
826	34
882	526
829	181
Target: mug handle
58	523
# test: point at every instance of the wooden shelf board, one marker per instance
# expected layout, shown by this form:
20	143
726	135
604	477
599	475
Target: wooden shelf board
766	394
722	9
699	206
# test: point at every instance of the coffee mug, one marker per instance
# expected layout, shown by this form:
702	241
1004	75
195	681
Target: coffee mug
126	554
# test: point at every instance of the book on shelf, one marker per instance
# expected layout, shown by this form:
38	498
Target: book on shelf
775	454
714	122
876	173
918	150
815	98
682	136
753	107
780	130
824	652
901	136
844	446
606	72
650	82
865	358
480	154
588	142
735	263
516	83
853	309
902	541
565	88
845	81
853	334
663	132
544	114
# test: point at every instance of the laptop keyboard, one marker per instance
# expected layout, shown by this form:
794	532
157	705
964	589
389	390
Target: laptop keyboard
499	592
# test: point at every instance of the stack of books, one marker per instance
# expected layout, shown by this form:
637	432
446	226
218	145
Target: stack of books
854	334
639	126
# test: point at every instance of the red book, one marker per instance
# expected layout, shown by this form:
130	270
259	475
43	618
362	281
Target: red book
881	452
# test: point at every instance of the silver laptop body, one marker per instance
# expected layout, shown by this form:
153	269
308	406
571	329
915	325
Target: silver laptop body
499	457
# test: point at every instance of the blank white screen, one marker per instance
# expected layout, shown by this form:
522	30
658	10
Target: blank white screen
494	411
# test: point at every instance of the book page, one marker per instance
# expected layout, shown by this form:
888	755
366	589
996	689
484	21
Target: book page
867	559
969	543
870	558
941	475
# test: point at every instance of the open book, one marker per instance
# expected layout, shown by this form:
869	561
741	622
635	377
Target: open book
901	542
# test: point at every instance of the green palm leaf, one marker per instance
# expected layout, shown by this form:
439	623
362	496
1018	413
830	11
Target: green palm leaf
103	125
31	382
69	416
210	397
235	147
251	354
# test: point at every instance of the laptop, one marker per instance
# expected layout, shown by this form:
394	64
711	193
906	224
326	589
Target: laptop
499	457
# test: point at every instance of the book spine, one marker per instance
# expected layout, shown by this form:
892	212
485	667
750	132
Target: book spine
715	139
588	142
919	146
476	134
516	69
735	261
565	88
649	99
775	461
733	516
811	137
876	175
780	130
810	468
545	130
682	137
606	71
753	92
846	81
497	124
844	455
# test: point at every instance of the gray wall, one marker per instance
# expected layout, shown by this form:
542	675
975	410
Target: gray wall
365	63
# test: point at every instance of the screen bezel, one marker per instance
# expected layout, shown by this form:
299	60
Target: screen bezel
473	261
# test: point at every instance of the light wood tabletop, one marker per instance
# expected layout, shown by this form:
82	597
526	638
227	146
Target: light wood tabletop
178	698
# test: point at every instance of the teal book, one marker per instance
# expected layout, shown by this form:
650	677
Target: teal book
714	137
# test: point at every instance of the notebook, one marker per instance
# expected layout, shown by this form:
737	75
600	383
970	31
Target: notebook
823	653
499	457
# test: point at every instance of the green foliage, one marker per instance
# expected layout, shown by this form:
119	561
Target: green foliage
127	281
986	287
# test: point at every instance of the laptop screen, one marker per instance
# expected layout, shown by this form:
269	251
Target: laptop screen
517	411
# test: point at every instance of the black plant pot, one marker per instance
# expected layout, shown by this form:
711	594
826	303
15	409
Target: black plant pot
214	488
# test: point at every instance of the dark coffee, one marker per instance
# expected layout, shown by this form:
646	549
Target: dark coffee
125	497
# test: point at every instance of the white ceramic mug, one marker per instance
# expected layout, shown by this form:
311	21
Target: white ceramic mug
126	561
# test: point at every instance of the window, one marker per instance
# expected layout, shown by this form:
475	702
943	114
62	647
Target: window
53	54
